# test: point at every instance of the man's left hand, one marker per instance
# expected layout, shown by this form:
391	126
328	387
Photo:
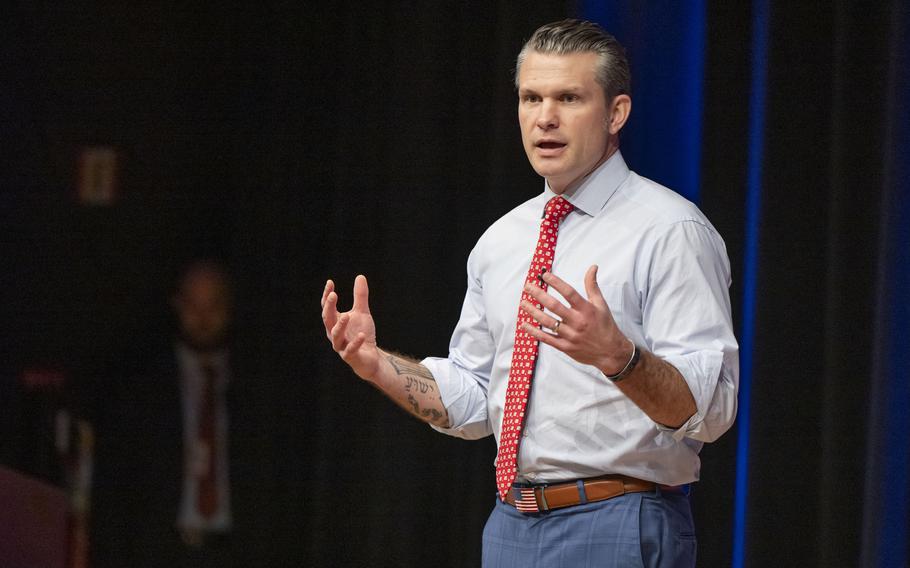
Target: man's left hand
586	330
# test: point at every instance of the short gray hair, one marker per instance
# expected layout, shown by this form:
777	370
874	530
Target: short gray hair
580	36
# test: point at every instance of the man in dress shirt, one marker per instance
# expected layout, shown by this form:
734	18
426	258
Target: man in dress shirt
203	306
637	364
164	474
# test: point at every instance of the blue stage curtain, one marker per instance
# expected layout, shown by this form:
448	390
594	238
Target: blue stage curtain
665	43
885	523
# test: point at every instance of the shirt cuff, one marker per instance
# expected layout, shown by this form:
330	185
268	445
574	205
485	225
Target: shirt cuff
464	400
701	371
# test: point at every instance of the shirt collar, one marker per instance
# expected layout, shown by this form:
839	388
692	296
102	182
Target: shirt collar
192	359
592	194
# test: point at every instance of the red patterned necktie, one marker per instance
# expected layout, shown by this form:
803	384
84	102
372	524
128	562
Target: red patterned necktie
207	496
524	354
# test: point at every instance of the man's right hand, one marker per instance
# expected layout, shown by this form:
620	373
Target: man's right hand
352	333
353	336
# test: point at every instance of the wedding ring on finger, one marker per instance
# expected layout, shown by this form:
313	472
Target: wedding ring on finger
556	327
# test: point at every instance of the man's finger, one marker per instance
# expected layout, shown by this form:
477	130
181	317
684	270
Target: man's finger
330	313
544	337
569	293
595	296
353	345
361	294
548	301
540	316
329	286
338	338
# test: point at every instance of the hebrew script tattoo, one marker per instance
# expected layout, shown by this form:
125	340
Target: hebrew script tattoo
421	387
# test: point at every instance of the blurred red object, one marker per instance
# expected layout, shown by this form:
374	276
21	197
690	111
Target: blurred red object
42	378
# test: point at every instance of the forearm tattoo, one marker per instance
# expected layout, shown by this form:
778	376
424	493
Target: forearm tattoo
405	367
419	381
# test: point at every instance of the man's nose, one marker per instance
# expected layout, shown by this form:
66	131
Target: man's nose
548	117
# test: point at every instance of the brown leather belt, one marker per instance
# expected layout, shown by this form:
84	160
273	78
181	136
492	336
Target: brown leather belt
561	495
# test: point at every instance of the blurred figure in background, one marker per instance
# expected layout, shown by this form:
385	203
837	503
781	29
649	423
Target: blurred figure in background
165	477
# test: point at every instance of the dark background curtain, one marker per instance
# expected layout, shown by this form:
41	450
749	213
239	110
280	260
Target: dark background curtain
300	141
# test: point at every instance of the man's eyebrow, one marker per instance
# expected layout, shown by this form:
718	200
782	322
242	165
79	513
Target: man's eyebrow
573	89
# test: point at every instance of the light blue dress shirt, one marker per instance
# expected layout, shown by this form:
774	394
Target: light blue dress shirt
663	270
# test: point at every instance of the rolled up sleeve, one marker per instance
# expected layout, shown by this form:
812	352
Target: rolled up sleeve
713	386
464	376
687	322
464	399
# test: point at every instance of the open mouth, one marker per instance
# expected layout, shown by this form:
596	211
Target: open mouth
550	145
549	148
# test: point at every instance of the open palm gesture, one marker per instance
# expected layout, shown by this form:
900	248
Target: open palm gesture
352	333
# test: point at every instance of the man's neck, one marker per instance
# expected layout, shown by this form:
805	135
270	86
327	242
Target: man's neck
612	148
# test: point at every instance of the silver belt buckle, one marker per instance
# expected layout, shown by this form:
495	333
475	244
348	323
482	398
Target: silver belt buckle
542	502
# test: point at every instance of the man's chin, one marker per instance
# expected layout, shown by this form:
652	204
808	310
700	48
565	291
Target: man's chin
204	344
549	168
555	178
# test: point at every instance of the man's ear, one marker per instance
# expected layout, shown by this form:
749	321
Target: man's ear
620	109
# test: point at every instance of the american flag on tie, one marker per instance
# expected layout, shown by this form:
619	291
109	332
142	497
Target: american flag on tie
525	501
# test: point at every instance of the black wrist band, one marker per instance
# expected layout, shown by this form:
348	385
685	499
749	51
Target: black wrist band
630	366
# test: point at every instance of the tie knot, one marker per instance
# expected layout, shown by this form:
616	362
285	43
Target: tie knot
557	209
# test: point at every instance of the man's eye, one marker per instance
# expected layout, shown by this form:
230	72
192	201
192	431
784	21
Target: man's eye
569	98
531	98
